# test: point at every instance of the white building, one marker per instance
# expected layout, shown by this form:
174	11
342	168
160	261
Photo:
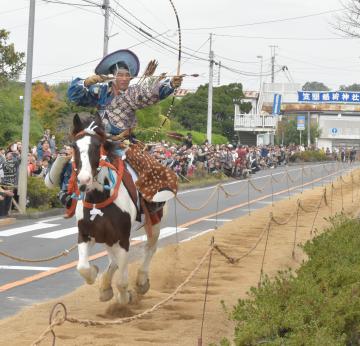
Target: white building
337	113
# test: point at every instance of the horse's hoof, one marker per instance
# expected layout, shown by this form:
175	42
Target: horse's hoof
142	289
106	295
124	299
89	274
91	278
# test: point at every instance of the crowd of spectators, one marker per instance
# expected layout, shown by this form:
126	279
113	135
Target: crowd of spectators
186	159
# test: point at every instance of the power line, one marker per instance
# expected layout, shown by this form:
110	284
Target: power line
82	64
286	38
239	61
267	21
14	10
90	3
144	33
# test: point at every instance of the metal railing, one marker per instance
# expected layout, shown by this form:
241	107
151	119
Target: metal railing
252	122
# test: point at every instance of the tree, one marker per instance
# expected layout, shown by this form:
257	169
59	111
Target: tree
315	86
11	62
352	87
191	112
46	105
348	22
11	115
288	133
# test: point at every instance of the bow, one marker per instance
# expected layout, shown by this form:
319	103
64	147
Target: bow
179	39
167	116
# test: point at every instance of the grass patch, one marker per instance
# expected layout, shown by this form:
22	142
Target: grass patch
317	305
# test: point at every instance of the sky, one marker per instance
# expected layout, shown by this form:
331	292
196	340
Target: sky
309	45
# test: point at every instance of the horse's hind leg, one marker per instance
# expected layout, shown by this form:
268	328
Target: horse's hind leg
142	280
87	271
106	291
121	257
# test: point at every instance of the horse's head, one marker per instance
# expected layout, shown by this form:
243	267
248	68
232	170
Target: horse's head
89	142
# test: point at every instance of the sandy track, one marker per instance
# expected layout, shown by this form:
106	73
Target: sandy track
179	322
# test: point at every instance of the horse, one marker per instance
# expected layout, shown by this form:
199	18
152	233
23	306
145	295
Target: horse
105	211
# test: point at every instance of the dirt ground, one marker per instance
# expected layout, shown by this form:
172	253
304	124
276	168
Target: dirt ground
179	321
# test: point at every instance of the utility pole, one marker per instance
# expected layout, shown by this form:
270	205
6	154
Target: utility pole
308	130
273	49
261	70
210	93
258	110
106	7
218	82
22	183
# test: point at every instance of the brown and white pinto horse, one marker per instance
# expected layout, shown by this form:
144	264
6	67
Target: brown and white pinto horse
105	212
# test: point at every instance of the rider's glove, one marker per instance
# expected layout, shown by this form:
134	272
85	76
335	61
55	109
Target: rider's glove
93	80
176	81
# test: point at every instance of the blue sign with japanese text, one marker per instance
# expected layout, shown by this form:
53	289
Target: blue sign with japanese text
301	122
329	96
276	104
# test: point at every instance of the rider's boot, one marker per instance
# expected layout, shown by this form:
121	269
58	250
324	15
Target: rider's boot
65	199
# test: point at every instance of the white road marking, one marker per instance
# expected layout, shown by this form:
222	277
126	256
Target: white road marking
58	234
197	235
25	229
26	268
218	220
164	233
52	219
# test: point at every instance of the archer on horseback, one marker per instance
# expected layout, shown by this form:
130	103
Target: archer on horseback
117	102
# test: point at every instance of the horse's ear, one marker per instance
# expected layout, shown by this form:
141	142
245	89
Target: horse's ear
77	124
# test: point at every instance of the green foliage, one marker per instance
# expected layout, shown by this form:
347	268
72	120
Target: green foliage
40	196
309	156
199	137
11	62
287	130
191	112
320	305
11	115
315	86
352	87
153	116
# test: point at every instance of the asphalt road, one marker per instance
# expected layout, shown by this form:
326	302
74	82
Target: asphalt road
23	284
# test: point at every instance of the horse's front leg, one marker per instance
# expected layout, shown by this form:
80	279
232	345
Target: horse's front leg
121	257
142	280
87	271
106	291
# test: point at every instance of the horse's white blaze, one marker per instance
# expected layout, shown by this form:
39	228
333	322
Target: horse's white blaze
85	174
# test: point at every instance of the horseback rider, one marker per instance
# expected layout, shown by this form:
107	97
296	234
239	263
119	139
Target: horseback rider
117	102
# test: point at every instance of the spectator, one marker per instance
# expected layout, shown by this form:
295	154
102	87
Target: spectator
188	141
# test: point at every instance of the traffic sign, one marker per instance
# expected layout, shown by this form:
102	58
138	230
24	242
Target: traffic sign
301	122
334	130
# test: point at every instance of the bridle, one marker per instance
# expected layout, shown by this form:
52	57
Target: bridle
117	167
